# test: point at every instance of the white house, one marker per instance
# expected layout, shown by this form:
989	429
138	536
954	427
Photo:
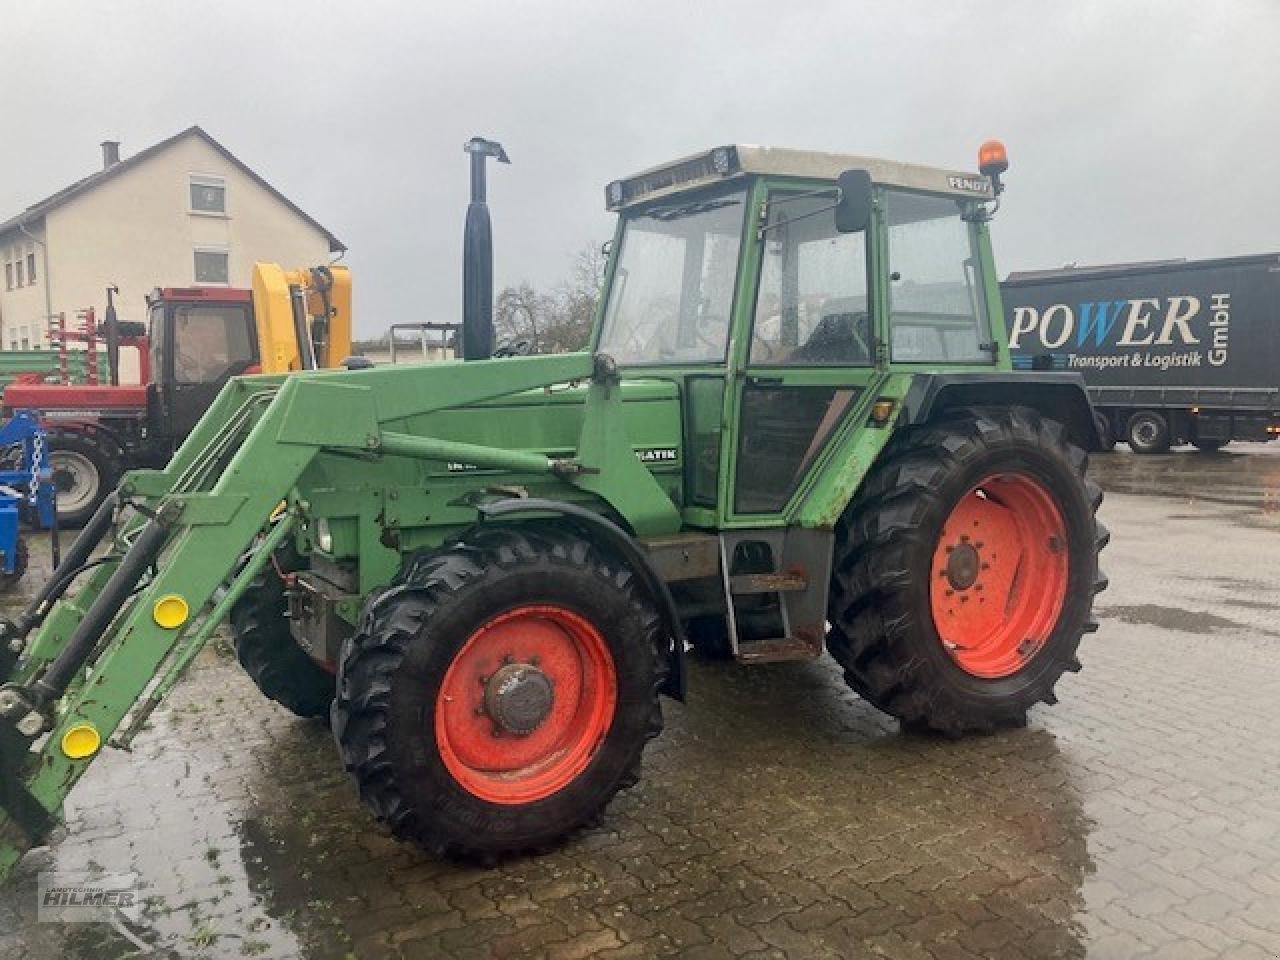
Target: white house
184	211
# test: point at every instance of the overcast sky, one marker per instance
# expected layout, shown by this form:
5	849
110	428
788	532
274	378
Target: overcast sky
1136	130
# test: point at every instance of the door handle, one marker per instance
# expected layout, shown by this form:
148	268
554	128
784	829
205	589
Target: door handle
764	381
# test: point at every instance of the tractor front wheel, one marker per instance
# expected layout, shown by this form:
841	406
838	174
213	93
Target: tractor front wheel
966	570
266	649
500	692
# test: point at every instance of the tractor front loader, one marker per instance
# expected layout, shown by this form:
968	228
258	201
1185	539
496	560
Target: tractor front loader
796	429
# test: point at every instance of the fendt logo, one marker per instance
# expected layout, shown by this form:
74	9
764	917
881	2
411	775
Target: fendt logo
1146	332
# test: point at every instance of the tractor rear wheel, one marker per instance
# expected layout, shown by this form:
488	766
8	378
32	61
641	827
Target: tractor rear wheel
83	475
966	569
269	654
500	692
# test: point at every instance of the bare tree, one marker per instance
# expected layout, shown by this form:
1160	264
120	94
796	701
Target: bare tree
522	313
554	322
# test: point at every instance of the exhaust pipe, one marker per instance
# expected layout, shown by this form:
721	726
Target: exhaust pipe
477	255
112	326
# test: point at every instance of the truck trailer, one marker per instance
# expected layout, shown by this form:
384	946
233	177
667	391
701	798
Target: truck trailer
1179	351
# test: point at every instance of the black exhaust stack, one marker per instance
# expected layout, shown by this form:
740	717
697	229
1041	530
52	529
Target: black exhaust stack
477	256
112	326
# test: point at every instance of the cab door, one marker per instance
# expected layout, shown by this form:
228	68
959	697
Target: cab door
208	344
813	354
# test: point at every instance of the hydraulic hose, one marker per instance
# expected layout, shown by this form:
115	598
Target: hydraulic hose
105	606
58	581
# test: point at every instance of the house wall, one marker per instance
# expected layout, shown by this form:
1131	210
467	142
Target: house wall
137	230
22	301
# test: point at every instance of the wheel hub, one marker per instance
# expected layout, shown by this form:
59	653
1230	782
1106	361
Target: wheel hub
962	567
1000	574
518	697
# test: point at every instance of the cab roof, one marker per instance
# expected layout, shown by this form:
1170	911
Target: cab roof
726	163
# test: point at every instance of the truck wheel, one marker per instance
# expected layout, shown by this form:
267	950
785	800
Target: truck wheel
499	693
269	654
1148	432
22	557
82	477
965	571
1106	436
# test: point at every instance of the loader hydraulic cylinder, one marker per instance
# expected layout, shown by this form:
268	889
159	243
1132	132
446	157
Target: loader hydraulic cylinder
105	606
58	582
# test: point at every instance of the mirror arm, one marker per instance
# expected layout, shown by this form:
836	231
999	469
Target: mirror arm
763	228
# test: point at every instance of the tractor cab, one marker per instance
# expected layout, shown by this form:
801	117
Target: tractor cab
781	289
201	337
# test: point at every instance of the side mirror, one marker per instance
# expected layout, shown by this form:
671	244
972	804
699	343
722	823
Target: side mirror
853	209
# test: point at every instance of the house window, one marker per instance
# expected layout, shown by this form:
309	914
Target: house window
211	266
8	276
31	268
208	194
18	273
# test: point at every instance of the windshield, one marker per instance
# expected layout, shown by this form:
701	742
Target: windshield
672	290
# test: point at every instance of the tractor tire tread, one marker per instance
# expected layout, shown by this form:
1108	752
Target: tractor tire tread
392	621
873	628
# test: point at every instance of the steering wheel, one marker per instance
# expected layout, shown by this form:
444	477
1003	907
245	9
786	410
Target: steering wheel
189	365
708	320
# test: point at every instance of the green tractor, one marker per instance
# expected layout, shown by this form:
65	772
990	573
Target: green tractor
796	429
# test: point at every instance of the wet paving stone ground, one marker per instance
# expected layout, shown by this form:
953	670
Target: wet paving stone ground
779	815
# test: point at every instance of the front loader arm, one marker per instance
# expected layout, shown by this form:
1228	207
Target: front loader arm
194	535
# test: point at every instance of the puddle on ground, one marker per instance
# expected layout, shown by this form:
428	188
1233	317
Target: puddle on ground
1245	475
1171	618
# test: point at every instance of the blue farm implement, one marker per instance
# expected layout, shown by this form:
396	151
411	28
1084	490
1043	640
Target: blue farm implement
26	487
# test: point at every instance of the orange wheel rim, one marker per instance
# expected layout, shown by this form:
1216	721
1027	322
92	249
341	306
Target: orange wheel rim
525	704
999	575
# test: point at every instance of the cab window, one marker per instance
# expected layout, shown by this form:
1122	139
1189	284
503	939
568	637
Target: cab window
935	291
211	342
812	306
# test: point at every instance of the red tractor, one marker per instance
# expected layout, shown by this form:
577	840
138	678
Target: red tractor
195	340
97	430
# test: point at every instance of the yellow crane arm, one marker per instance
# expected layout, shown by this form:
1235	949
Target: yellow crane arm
303	317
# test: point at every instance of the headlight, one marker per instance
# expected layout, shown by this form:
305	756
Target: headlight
324	536
721	161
